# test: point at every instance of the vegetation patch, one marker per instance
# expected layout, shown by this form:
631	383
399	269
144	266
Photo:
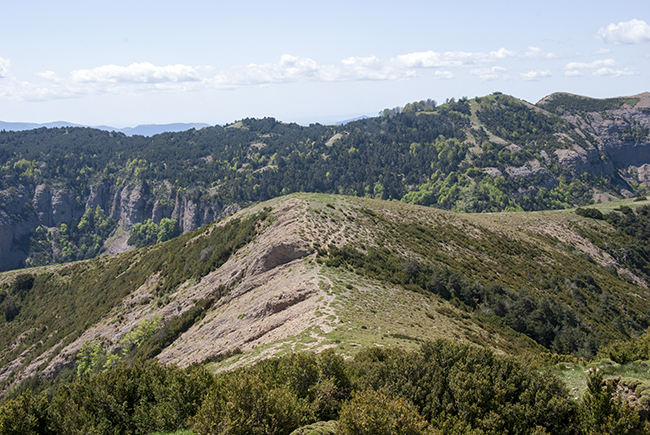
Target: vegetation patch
442	387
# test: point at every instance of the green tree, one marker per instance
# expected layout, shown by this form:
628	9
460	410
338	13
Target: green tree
371	412
246	405
603	414
26	415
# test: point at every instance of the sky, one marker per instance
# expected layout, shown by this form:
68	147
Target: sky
125	63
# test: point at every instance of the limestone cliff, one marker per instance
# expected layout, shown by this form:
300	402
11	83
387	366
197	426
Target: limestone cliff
618	138
25	208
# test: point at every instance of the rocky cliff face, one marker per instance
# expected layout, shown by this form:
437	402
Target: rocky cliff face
619	141
16	222
25	208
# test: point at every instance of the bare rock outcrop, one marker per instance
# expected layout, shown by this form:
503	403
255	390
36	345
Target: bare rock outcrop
43	204
131	208
276	256
25	208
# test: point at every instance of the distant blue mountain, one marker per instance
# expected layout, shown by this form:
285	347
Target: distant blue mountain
19	126
153	129
353	119
142	130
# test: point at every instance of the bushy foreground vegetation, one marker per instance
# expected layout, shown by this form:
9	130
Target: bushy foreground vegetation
444	387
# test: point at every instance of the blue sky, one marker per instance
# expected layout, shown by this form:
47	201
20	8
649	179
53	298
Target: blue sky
125	63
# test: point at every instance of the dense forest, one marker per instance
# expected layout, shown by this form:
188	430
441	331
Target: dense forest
422	157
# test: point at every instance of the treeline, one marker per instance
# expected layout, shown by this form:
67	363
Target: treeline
444	387
561	103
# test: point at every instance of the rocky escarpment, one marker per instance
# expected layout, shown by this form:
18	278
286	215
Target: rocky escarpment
24	208
617	137
16	222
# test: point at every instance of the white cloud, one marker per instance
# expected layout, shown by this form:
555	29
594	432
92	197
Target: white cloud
139	78
537	53
595	64
22	90
50	76
136	73
363	68
573	73
293	69
626	32
488	74
4	67
603	51
536	75
608	72
444	75
502	53
432	59
423	59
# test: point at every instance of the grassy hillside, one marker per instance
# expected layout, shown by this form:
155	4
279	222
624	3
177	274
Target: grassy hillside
312	271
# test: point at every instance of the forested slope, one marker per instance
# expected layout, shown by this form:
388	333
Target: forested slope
486	154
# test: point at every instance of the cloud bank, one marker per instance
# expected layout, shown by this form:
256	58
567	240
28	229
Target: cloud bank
136	73
536	75
143	77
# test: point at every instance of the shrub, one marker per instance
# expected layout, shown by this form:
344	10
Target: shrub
243	404
375	413
603	414
26	415
460	387
129	399
592	213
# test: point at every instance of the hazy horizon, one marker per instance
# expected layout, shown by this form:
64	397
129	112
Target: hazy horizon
127	64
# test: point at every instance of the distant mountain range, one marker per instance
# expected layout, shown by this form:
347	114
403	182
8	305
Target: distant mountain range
141	130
